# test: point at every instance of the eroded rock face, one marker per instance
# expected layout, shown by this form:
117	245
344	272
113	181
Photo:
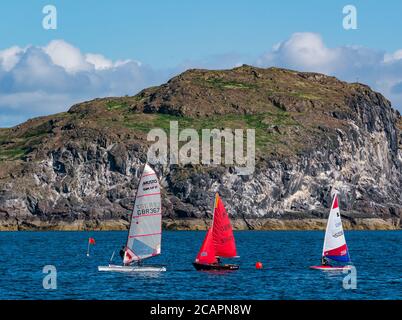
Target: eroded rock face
83	170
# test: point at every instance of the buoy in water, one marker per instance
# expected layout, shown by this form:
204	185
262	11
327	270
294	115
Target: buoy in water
258	265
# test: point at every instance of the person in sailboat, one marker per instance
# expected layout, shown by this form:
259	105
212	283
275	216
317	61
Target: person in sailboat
325	261
121	252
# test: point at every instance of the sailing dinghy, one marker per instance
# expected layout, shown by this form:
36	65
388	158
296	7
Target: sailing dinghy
335	248
144	236
219	242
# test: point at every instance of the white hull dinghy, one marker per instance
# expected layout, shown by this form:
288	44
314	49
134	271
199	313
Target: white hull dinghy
145	233
120	268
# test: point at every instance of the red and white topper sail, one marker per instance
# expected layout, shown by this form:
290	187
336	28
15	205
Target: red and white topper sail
224	240
335	246
144	238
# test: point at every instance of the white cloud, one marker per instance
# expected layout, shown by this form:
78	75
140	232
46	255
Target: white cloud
9	57
98	61
392	57
302	51
308	52
67	56
43	80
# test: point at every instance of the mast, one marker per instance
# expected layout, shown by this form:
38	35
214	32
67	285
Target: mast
213	219
213	209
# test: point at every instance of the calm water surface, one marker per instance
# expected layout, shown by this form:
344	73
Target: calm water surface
286	256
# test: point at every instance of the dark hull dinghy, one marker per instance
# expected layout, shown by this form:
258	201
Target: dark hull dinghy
219	267
219	242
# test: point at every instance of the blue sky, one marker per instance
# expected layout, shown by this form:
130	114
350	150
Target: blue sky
163	33
146	42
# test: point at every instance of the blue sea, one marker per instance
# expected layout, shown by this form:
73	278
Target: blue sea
286	256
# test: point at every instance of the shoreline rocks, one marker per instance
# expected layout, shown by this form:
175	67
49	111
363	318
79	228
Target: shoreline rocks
201	224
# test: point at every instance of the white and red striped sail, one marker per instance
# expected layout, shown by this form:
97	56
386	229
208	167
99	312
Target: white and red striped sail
219	240
335	247
144	237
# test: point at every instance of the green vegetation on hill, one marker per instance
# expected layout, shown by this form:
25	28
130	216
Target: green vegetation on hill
113	105
289	110
223	84
11	154
268	126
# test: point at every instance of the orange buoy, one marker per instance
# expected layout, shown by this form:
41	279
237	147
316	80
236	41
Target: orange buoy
258	265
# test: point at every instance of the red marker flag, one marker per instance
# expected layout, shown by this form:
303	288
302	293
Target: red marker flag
90	241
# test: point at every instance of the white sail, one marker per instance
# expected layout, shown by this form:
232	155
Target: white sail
144	238
335	246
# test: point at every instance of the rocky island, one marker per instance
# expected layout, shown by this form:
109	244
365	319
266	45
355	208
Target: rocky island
78	170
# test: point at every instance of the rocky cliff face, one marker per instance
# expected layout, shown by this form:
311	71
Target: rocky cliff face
79	169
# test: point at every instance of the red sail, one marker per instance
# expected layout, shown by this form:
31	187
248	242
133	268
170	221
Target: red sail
206	255
224	241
